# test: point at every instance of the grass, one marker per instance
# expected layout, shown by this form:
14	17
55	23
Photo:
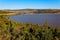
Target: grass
12	30
6	13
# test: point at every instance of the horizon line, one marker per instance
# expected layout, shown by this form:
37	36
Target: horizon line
28	8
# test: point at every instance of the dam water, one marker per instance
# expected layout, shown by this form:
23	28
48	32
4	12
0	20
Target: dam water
52	19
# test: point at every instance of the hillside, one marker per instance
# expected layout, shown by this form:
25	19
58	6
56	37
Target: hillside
12	30
6	13
37	11
29	11
3	12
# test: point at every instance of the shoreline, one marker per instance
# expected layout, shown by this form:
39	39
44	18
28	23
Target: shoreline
14	14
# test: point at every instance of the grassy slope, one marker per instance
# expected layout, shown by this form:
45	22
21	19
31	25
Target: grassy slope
6	13
12	30
5	26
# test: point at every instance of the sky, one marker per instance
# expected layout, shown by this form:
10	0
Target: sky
29	4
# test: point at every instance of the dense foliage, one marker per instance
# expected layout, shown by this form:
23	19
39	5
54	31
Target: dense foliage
11	30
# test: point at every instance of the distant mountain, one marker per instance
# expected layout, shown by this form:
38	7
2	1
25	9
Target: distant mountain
34	11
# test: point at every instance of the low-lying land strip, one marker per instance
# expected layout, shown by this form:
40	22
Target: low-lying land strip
29	11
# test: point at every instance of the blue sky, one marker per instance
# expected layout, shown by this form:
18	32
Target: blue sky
34	4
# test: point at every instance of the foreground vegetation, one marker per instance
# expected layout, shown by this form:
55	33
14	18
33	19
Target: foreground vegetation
12	30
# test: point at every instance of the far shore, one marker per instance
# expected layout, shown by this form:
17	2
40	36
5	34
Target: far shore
14	14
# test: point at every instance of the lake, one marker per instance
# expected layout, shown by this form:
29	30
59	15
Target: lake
52	19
